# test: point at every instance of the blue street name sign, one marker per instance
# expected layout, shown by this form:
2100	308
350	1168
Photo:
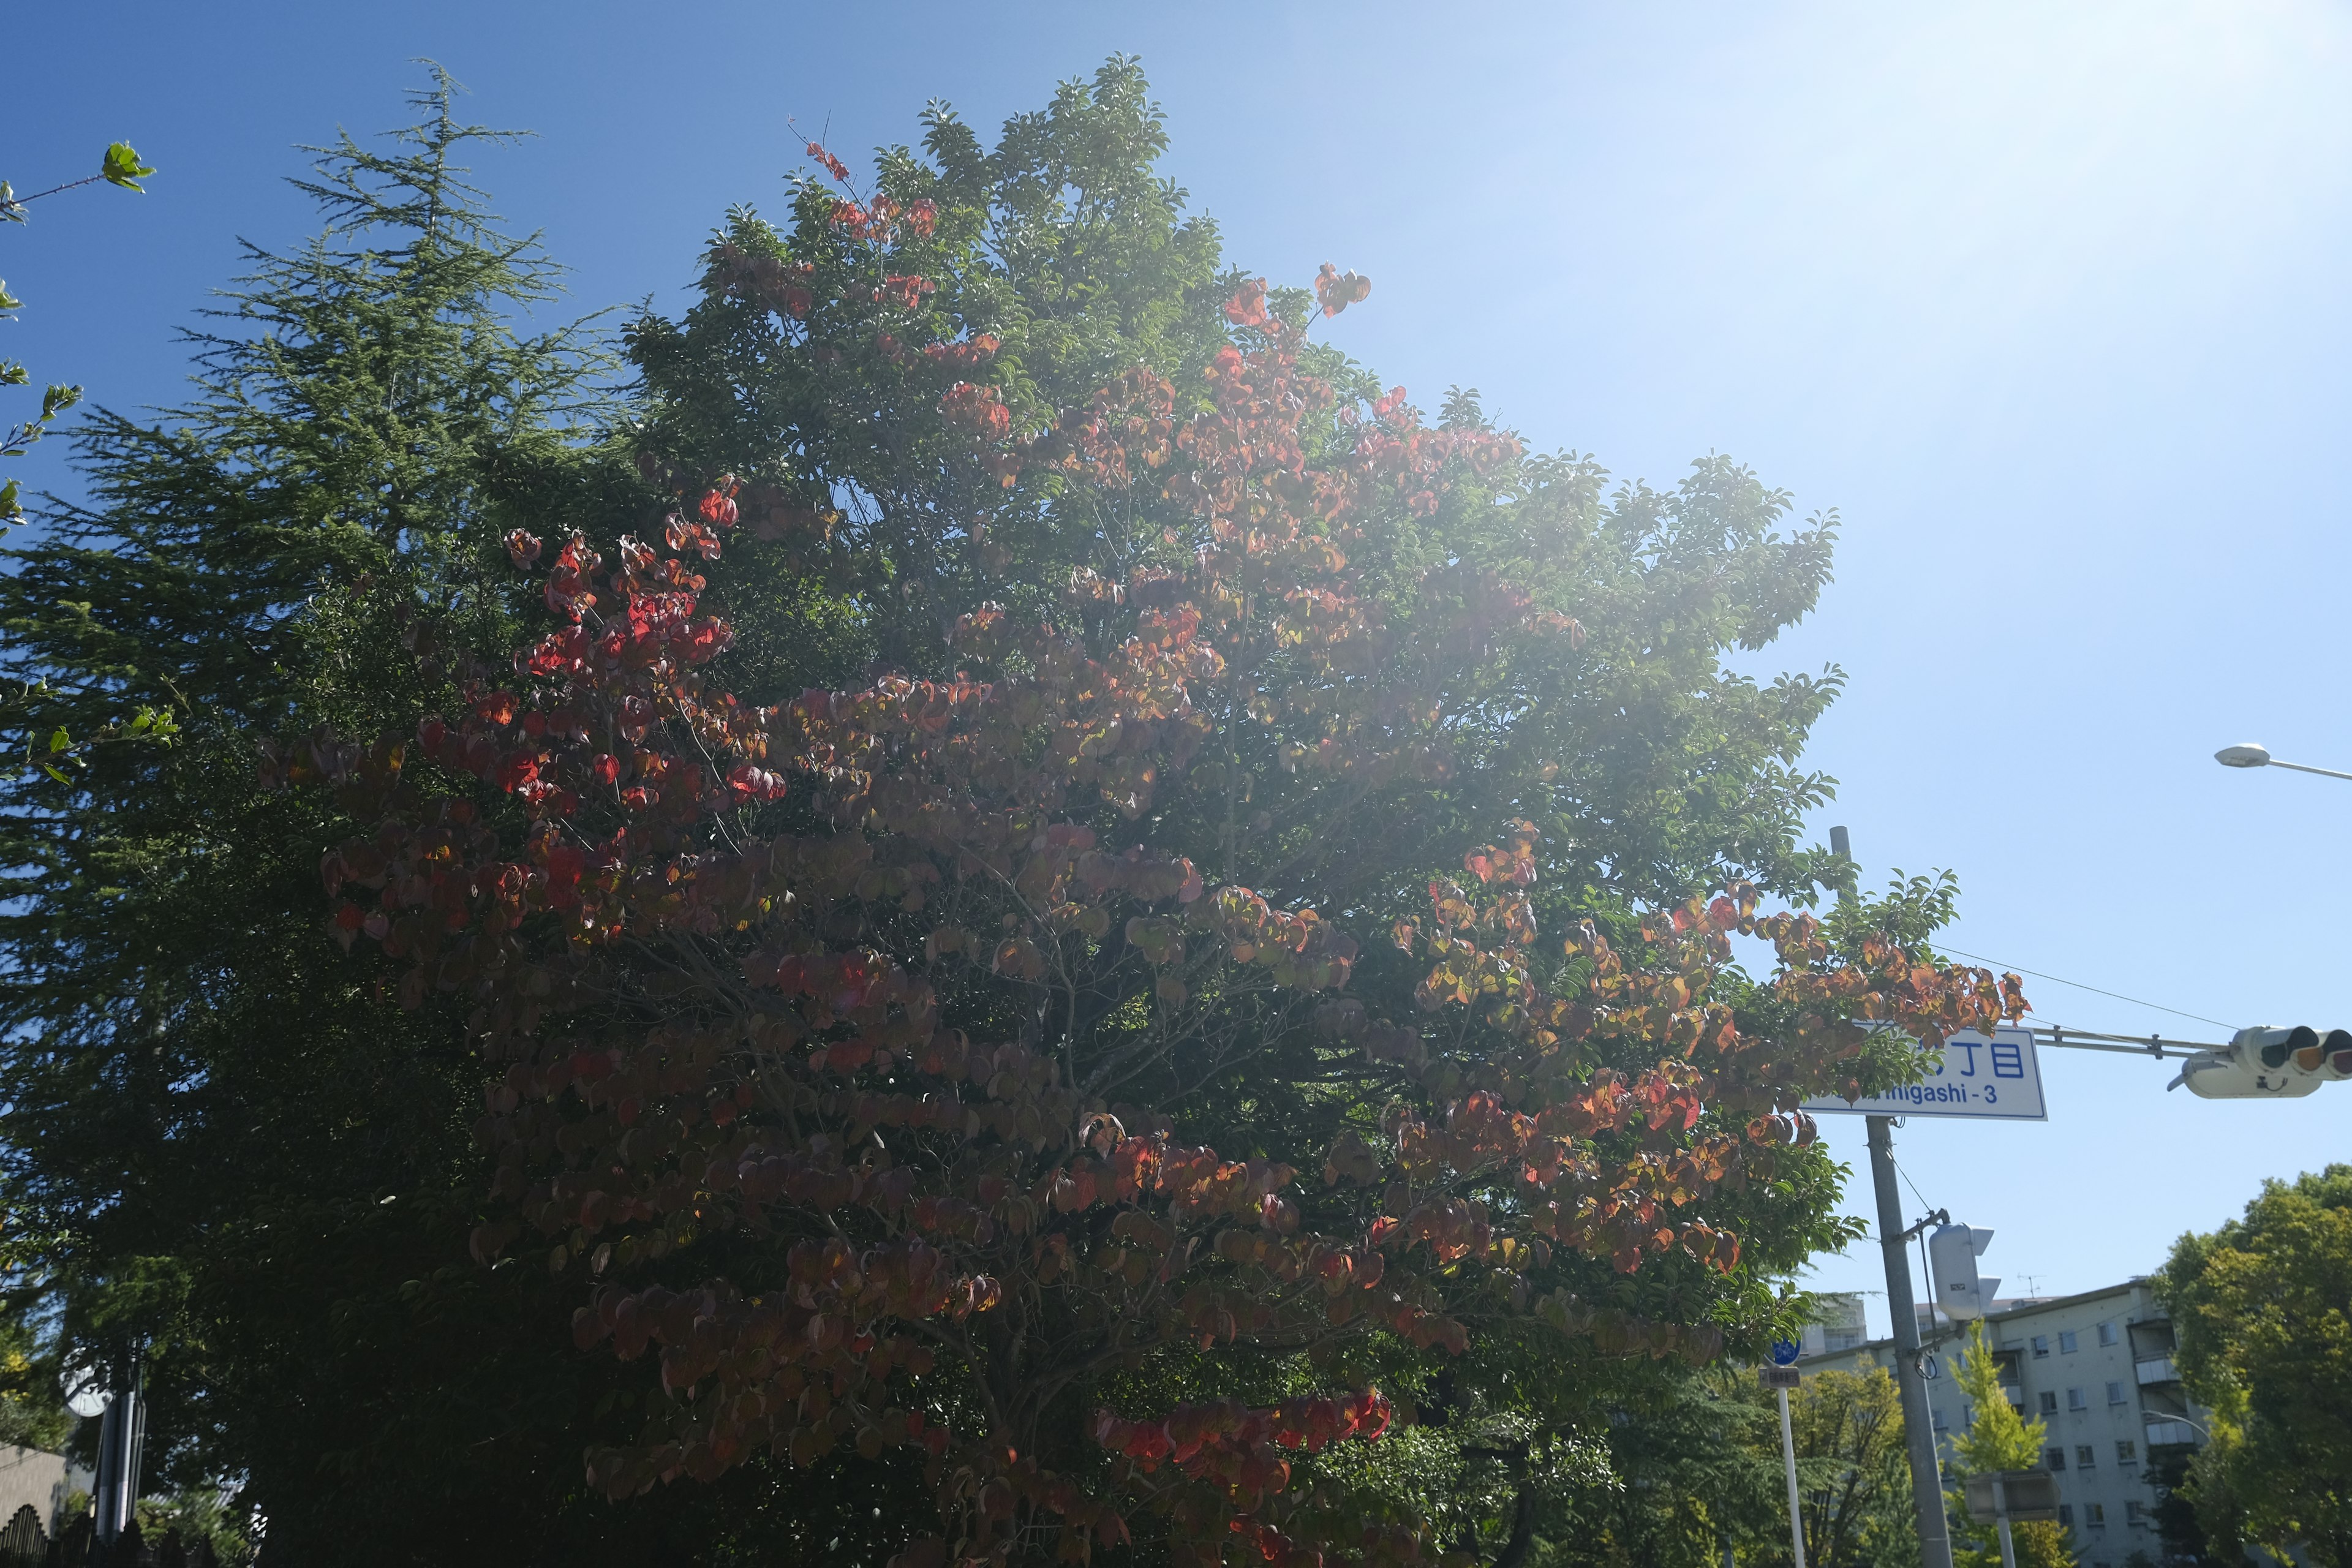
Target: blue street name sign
1988	1079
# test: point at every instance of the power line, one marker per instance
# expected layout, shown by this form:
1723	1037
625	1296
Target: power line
2057	980
1925	1206
1927	1274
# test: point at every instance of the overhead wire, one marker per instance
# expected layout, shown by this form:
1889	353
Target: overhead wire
2061	979
1925	1206
1927	1273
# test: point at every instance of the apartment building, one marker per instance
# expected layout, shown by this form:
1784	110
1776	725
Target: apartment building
1837	1325
2096	1370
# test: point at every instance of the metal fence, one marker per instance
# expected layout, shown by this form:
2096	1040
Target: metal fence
25	1543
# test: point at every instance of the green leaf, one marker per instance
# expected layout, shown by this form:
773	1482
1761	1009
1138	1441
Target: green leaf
50	769
8	301
9	509
124	168
57	399
13	374
58	741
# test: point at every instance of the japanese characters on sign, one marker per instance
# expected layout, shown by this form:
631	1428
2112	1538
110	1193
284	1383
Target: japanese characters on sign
1994	1078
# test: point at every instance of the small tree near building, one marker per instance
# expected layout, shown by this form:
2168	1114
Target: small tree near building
1999	1438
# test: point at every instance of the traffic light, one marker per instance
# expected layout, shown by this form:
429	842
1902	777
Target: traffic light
2270	1064
1952	1254
2331	1060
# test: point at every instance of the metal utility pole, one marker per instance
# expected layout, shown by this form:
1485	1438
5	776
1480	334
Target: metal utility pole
1918	1429
2000	1520
122	1434
1789	1460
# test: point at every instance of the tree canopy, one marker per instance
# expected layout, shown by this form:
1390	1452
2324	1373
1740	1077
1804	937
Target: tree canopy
1000	822
902	1024
2262	1309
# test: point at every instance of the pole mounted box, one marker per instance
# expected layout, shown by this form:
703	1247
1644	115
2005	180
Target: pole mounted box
2025	1496
1961	1294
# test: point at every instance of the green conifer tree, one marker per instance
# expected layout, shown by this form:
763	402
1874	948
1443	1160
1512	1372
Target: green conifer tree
221	1142
1997	1438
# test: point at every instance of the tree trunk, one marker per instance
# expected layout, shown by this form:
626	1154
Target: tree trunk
1523	1530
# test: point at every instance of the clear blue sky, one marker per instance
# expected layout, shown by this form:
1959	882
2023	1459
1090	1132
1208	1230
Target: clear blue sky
2048	301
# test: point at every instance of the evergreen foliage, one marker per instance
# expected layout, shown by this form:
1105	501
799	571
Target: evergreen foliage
2263	1310
219	1139
1671	1468
1854	1472
1997	1438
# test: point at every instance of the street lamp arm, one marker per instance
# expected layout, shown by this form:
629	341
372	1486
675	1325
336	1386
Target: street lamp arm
2298	767
2152	1417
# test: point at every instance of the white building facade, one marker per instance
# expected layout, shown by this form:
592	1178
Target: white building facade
30	1478
1837	1325
2096	1370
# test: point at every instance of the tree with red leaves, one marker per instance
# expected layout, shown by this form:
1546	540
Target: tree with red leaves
911	1002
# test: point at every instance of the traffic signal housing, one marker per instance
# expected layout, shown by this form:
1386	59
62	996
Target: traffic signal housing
2330	1060
1952	1252
2270	1064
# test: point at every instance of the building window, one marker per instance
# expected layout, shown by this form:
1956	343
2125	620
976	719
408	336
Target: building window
2057	1458
2085	1455
2115	1393
2126	1451
2106	1333
2075	1400
2095	1514
2065	1513
2134	1513
1936	1413
2040	1346
2067	1345
2049	1402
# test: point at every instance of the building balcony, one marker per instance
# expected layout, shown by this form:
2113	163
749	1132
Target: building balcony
2150	1338
2171	1433
2160	1369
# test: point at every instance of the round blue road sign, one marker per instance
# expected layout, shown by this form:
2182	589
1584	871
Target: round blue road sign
1784	1352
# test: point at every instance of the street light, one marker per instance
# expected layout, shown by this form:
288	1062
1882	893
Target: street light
2252	754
